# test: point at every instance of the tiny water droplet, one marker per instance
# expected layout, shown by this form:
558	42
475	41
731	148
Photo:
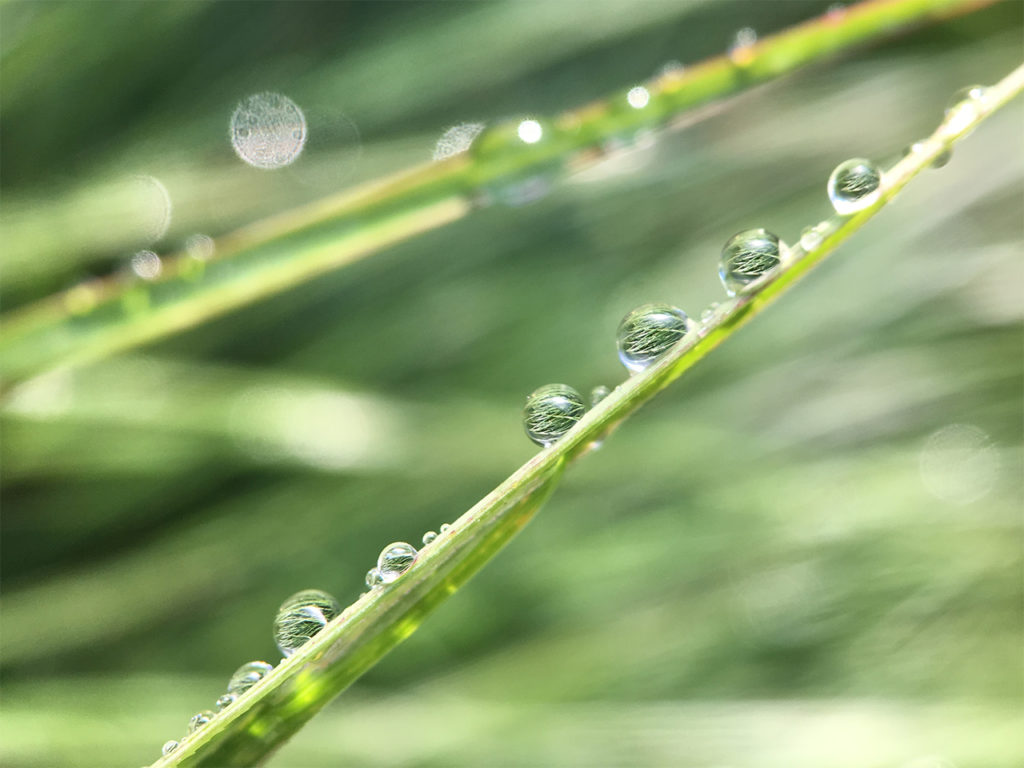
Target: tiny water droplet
200	247
708	312
741	50
813	236
854	185
638	97
225	701
551	411
963	108
941	160
247	675
373	578
429	536
395	559
268	130
444	528
530	131
168	747
747	256
147	265
598	393
646	333
457	140
199	719
302	616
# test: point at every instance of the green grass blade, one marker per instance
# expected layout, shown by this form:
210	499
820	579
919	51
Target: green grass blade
100	318
268	714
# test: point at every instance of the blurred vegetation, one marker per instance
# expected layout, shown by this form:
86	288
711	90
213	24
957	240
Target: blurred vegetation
753	571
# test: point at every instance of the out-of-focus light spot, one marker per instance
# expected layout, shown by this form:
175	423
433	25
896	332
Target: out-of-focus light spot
530	131
145	209
741	51
959	464
200	247
638	97
44	397
268	130
457	140
147	265
81	299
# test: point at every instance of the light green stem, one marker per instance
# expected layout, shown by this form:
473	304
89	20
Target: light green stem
268	714
103	317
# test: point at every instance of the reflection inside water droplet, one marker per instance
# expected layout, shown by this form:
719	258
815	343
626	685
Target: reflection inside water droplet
302	616
551	411
394	560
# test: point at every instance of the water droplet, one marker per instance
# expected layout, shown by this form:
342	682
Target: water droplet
394	560
959	464
200	247
444	528
247	675
741	50
225	701
268	130
941	160
457	140
708	313
373	578
168	747
530	131
302	616
429	536
147	265
854	185
747	256
964	107
813	236
551	411
638	97
598	393
646	333
199	719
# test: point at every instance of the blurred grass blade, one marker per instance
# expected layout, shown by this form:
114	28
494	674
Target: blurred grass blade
100	318
267	715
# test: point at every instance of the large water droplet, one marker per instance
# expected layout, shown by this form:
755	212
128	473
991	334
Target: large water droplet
268	130
646	333
199	719
457	140
247	675
854	185
747	256
373	578
225	701
551	411
302	616
147	265
395	559
168	747
598	393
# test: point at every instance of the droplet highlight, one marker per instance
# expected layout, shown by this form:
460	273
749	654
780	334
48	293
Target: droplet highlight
638	97
457	140
394	560
551	411
302	616
747	256
268	130
530	131
247	675
200	247
648	332
146	265
854	185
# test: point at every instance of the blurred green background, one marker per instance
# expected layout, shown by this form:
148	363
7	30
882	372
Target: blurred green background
808	552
